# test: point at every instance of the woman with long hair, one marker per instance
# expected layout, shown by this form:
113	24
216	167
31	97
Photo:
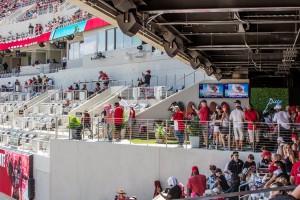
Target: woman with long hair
224	131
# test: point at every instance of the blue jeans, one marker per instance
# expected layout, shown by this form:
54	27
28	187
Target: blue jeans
108	131
179	135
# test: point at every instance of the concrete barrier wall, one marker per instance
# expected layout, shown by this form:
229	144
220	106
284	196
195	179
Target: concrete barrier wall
41	174
92	170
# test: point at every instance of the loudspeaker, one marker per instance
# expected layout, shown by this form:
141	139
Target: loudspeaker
70	37
171	48
209	71
218	76
31	188
168	36
41	44
195	63
129	24
194	54
123	5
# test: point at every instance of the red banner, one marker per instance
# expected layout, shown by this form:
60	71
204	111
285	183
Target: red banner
15	171
25	42
95	23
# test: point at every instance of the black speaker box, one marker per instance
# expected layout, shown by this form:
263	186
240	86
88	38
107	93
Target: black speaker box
129	23
31	188
209	71
171	48
168	36
123	5
195	63
194	54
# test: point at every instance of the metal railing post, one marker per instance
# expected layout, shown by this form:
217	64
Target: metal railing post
166	134
97	129
229	136
166	84
184	80
130	130
147	132
56	127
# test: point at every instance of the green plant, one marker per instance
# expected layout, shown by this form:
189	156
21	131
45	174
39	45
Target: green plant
260	97
160	130
194	128
124	120
74	122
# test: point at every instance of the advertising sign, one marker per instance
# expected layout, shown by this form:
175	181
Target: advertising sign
25	41
68	30
210	90
15	171
236	90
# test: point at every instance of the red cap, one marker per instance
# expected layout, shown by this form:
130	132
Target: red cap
293	108
294	135
194	168
148	71
225	106
266	153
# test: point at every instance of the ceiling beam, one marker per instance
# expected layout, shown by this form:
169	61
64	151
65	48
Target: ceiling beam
192	6
230	22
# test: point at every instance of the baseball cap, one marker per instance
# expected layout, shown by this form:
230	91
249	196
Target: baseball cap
278	107
203	101
280	139
148	71
251	156
194	168
212	167
294	135
266	153
225	106
218	170
237	102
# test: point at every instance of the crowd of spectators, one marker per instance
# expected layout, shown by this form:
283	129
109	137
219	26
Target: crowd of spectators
53	24
42	7
7	7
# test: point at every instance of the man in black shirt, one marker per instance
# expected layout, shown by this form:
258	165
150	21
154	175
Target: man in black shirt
235	168
147	78
250	162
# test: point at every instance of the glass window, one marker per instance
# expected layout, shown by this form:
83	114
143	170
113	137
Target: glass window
89	46
127	41
136	41
74	51
101	41
110	39
119	39
82	49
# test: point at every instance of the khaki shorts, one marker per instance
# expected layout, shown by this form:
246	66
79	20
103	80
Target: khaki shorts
253	134
238	133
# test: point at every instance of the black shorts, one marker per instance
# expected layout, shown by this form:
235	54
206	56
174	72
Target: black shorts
118	127
224	130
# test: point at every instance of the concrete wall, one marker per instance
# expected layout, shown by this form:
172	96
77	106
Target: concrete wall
86	170
41	174
159	110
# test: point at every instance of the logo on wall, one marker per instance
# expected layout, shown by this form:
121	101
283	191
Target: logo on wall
15	171
272	102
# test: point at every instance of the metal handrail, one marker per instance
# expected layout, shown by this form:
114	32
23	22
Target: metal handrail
235	194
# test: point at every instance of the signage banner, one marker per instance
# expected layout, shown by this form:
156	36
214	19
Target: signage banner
25	42
15	171
78	28
68	30
240	90
210	90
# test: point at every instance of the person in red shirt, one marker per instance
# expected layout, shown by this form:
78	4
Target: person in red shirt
118	120
252	117
298	117
196	185
204	118
104	77
178	118
295	174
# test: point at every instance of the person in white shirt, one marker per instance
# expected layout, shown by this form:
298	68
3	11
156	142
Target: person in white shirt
282	118
122	102
64	62
237	116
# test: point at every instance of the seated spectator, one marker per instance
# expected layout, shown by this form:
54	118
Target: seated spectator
221	180
104	77
175	190
157	188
